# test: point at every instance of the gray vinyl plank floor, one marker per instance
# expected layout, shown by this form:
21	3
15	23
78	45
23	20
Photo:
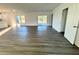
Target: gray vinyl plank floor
35	40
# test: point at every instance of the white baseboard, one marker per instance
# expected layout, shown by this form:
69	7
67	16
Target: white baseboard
4	31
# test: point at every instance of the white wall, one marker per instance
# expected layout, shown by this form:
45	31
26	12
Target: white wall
57	17
49	20
31	18
72	20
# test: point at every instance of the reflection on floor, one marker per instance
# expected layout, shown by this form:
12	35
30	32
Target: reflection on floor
35	40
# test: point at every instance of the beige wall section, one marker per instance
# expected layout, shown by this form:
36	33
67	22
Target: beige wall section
3	23
12	19
8	19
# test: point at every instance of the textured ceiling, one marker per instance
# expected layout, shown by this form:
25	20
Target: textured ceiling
30	7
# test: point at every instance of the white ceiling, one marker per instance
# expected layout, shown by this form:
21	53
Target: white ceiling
30	7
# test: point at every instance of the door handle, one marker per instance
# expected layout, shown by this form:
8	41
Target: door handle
75	26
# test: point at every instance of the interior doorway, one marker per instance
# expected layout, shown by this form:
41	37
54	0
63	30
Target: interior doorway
64	18
51	19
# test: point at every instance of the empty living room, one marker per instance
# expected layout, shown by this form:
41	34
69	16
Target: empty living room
39	28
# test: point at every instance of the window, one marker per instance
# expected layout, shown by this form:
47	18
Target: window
42	20
20	19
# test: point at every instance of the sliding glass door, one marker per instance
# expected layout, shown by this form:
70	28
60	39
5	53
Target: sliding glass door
42	20
20	20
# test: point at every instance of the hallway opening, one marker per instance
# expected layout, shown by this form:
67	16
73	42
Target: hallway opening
51	19
64	18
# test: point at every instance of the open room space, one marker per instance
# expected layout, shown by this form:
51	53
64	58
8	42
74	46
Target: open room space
39	29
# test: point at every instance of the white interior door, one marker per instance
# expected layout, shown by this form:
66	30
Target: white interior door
77	37
72	23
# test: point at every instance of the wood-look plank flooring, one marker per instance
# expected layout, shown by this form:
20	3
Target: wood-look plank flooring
32	40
